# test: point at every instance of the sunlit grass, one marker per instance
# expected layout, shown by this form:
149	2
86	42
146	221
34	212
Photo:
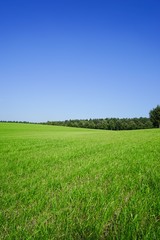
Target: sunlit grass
69	183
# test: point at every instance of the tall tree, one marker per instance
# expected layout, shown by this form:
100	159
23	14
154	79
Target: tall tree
155	116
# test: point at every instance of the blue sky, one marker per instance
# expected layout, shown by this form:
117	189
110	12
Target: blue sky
68	59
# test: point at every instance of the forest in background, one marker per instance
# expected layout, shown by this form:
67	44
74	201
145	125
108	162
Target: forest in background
106	123
109	123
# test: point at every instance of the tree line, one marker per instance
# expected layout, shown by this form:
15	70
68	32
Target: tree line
109	123
106	123
115	123
102	123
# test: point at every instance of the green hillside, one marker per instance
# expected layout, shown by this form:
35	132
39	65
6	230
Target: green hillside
70	183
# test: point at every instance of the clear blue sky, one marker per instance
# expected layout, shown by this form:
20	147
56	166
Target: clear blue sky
68	59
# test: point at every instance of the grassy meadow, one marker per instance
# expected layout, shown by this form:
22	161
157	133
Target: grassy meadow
70	183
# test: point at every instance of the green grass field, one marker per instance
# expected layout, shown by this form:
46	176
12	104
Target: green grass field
68	183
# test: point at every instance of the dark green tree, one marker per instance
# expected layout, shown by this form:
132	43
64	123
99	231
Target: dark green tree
155	116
